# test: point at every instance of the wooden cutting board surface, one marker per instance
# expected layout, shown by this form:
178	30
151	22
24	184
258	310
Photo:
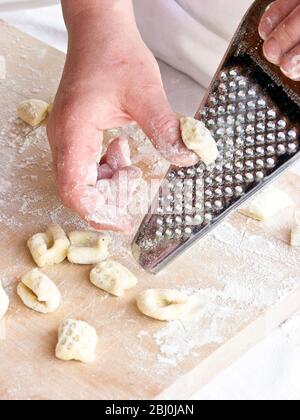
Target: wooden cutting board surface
245	277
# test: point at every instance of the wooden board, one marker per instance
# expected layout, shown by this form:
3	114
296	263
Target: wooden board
245	277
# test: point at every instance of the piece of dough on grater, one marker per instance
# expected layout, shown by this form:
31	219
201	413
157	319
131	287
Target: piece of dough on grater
266	204
198	138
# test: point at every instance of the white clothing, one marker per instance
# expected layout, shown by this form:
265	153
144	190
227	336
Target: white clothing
183	33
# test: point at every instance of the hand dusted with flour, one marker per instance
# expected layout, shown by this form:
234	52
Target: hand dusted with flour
112	85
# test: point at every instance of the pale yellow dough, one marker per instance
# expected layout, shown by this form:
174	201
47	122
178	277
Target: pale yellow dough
77	340
33	111
113	278
198	138
164	305
87	248
38	292
266	204
49	248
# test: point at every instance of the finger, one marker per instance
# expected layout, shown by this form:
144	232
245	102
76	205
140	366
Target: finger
118	153
77	174
290	64
275	13
285	37
153	113
93	206
105	171
112	211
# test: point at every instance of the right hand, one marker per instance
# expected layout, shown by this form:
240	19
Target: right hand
110	79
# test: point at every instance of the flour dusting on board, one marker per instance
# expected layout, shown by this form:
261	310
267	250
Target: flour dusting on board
243	290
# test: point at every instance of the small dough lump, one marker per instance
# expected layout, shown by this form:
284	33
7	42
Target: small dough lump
295	236
113	277
49	248
198	138
164	305
77	340
88	248
33	111
38	292
266	204
4	302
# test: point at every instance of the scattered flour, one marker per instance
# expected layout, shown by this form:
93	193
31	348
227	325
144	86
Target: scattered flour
243	292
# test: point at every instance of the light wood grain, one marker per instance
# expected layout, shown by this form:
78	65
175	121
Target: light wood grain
131	364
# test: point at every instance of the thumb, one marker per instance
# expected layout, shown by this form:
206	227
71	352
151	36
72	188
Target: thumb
152	111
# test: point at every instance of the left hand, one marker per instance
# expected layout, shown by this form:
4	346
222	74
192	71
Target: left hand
280	29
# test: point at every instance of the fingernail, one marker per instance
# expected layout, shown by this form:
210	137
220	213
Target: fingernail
269	6
272	50
291	68
262	34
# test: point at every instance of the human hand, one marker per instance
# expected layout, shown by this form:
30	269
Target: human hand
280	29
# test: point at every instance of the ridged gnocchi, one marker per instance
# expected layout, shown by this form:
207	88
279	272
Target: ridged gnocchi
112	277
77	340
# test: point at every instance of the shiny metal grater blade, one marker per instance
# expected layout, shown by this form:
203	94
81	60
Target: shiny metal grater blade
253	112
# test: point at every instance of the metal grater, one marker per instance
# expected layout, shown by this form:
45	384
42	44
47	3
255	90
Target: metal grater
253	112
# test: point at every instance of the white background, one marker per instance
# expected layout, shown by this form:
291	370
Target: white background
272	369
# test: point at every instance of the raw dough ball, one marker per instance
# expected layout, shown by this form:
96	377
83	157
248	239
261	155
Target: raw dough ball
113	277
77	340
88	248
49	248
266	204
295	236
4	302
38	292
164	305
33	111
198	138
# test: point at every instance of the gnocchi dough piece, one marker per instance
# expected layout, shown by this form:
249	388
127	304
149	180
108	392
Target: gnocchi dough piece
38	292
198	138
164	305
113	277
87	248
295	236
266	204
4	302
33	111
77	340
49	248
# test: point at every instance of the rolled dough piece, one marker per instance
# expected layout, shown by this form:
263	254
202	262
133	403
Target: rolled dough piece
113	277
49	248
38	292
164	305
266	204
87	248
295	236
33	111
198	138
4	302
77	340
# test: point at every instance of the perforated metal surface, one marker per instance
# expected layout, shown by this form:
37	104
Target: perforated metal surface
256	126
